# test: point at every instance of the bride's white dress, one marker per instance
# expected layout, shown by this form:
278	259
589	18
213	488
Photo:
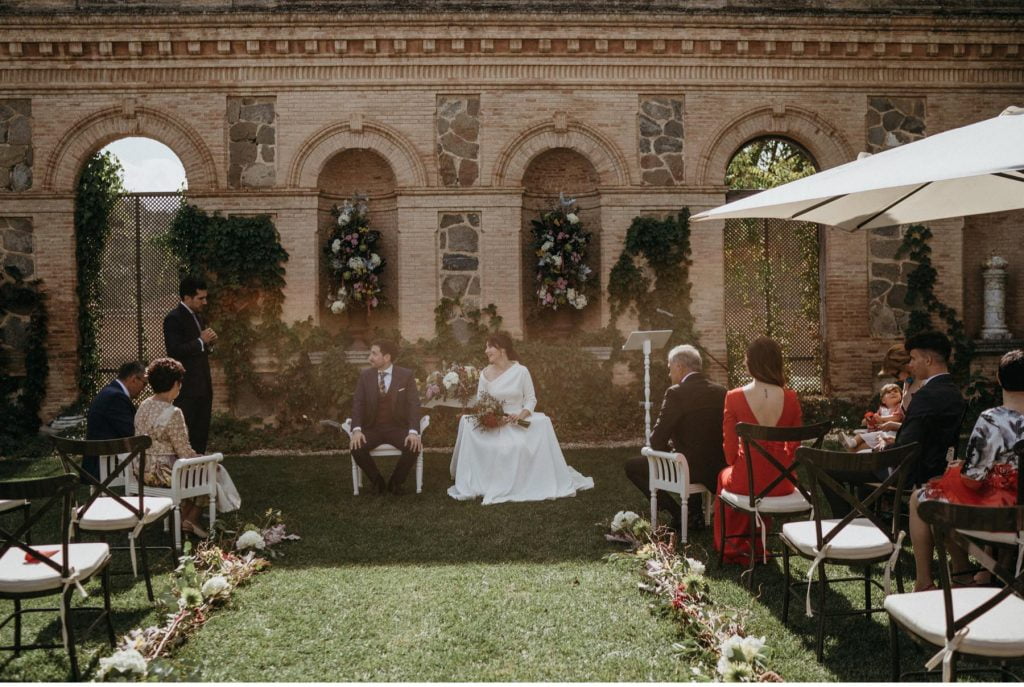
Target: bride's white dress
512	463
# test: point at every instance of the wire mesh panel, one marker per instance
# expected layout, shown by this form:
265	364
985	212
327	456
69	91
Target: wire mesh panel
772	288
139	279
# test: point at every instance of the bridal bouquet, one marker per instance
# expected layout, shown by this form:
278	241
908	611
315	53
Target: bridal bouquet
353	264
458	383
490	414
560	244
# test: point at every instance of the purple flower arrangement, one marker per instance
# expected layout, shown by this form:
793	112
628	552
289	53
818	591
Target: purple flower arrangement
560	243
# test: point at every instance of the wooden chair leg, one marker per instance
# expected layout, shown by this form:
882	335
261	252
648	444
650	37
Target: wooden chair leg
753	551
867	589
894	652
786	589
17	627
145	564
65	600
721	531
685	522
822	589
106	605
419	473
654	509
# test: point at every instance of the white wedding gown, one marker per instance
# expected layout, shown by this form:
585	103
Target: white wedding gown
512	463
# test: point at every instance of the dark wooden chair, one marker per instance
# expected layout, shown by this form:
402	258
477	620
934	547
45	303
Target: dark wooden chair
754	438
29	572
860	538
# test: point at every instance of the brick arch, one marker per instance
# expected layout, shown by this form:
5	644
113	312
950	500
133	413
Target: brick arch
515	158
314	153
100	128
824	142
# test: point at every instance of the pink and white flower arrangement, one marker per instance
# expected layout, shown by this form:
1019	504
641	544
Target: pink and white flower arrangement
353	263
454	382
560	244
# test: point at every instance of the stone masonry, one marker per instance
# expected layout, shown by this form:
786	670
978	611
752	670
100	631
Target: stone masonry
894	121
15	144
252	132
660	123
17	252
458	139
458	243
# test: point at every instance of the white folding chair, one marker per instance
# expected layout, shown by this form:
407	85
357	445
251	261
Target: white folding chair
670	472
380	451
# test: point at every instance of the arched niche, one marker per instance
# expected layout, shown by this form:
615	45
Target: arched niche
367	172
549	173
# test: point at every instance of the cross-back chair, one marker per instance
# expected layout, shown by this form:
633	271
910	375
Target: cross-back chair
669	471
860	538
105	511
8	506
758	502
983	624
28	572
379	452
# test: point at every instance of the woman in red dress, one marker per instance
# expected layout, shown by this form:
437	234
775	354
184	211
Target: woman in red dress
765	401
987	477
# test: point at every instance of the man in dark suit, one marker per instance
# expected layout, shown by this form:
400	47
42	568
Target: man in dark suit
386	410
691	421
188	340
936	409
112	414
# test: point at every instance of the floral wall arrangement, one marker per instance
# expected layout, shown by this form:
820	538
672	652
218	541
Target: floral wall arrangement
353	263
560	243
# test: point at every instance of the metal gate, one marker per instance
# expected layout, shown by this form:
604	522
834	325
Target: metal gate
773	288
139	279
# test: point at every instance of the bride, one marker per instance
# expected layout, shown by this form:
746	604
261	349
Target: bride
511	463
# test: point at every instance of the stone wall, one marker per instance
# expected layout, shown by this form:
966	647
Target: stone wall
888	284
660	123
458	139
17	252
252	136
458	244
894	121
15	144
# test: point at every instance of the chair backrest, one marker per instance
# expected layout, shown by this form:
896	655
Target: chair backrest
109	464
45	494
754	438
666	469
819	463
72	451
948	520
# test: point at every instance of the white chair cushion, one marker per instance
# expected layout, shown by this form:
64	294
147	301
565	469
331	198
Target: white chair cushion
1000	632
790	503
385	450
10	504
107	514
19	577
860	540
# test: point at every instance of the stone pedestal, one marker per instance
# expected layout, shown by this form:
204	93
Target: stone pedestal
994	274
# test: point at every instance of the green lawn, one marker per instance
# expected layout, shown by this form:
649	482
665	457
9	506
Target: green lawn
421	587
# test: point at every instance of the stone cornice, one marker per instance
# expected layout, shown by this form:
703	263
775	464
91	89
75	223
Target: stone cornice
471	74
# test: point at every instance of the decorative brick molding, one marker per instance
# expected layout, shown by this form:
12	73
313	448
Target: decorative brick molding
660	125
887	284
252	141
15	144
458	244
315	151
891	122
457	123
516	156
17	250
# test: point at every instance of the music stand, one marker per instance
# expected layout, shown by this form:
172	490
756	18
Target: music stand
647	342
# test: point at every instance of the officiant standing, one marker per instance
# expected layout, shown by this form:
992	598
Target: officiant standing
188	340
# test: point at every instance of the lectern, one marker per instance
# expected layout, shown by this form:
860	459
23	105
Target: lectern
647	342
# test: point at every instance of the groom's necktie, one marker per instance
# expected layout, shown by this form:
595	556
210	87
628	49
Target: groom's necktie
380	382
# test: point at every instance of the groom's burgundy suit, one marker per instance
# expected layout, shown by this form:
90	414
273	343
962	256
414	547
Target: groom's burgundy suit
386	419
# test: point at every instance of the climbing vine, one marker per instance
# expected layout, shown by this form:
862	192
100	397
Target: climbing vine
99	187
23	396
924	303
242	261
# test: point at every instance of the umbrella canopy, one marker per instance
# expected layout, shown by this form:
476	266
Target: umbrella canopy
967	171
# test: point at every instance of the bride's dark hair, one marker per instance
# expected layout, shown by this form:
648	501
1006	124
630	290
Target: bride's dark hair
503	341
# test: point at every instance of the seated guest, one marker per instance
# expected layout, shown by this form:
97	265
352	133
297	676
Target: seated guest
765	401
112	414
987	477
690	423
164	423
896	365
882	424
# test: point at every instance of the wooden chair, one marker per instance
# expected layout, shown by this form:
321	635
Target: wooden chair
756	503
380	452
860	538
980	623
105	511
670	472
29	572
15	505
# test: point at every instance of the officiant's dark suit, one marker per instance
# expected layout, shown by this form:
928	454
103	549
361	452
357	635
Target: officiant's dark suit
386	418
183	328
690	422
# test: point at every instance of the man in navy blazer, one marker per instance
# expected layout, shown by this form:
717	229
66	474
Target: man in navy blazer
188	340
386	410
112	414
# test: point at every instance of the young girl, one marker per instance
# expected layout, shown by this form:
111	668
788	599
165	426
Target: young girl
882	424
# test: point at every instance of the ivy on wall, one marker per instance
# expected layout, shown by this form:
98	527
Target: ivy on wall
924	303
98	189
242	260
22	397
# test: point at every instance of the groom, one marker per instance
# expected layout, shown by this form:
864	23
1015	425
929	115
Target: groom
386	410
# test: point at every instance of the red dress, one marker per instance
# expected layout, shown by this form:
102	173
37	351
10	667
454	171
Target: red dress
734	477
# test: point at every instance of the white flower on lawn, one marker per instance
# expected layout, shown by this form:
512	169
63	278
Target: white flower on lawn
374	260
338	307
336	245
696	567
573	219
451	380
217	585
126	661
624	520
250	539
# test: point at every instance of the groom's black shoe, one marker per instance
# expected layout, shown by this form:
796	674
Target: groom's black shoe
396	489
380	486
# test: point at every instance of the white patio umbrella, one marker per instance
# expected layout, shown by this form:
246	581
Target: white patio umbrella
967	171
